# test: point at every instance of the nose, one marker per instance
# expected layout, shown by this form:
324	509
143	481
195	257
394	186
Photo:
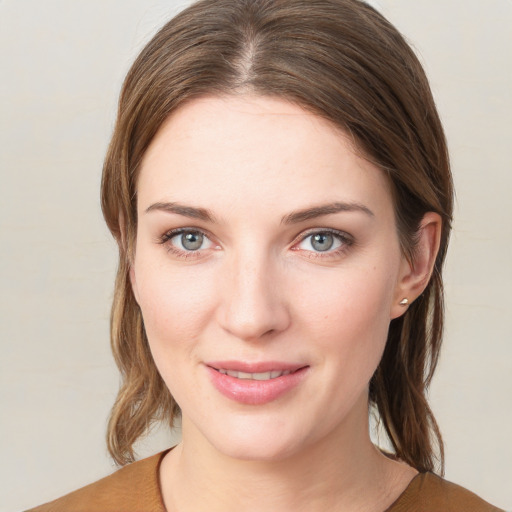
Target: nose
253	304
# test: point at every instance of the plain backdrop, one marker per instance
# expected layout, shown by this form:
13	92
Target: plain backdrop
61	67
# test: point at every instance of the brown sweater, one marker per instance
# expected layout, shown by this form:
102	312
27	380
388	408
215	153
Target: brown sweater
136	488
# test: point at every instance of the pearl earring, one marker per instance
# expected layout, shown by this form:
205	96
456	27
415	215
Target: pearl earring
404	302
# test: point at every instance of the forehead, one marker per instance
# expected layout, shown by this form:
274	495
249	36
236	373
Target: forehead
261	150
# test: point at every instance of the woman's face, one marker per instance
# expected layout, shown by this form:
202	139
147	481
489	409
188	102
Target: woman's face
267	268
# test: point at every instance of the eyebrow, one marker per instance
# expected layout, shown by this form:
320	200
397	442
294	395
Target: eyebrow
326	209
187	211
292	218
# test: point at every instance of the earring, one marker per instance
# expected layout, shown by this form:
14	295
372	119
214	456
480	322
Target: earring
404	302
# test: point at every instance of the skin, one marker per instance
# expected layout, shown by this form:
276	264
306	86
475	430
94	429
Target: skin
258	289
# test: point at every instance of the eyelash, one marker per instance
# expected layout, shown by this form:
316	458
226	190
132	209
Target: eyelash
166	238
346	242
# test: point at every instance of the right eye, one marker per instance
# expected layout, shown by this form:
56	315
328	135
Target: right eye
186	241
189	241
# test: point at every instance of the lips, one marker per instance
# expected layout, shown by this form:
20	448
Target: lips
274	374
255	383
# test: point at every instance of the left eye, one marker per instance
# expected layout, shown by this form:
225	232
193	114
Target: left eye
190	241
322	241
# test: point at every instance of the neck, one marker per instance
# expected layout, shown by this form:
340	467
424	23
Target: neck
343	471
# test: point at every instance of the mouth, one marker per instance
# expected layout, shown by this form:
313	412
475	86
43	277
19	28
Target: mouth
274	374
255	383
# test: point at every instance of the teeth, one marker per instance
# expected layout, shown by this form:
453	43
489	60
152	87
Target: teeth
274	374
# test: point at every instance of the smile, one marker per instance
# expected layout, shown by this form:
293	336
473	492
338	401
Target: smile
256	383
274	374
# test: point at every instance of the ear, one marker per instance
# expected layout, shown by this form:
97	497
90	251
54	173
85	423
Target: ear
414	275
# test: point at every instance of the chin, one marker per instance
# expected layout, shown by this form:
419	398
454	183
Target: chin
257	450
257	439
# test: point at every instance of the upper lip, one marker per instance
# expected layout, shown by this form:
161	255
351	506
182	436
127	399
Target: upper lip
255	367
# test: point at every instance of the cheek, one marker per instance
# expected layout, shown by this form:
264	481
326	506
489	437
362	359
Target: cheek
349	324
174	303
351	296
175	306
347	313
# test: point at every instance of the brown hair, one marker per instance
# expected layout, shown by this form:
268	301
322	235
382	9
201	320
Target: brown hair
341	60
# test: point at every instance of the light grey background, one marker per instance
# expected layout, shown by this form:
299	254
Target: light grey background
61	65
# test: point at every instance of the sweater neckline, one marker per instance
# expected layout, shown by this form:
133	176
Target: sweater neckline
415	482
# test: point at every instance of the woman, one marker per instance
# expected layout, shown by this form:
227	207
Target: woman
279	187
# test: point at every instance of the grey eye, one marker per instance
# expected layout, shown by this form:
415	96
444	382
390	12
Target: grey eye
192	241
322	241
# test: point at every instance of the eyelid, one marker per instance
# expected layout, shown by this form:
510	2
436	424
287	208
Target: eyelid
171	233
345	238
314	231
165	239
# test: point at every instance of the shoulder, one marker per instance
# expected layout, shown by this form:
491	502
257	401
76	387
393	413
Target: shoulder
133	488
430	493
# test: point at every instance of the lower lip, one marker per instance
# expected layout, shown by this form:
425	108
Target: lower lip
255	392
